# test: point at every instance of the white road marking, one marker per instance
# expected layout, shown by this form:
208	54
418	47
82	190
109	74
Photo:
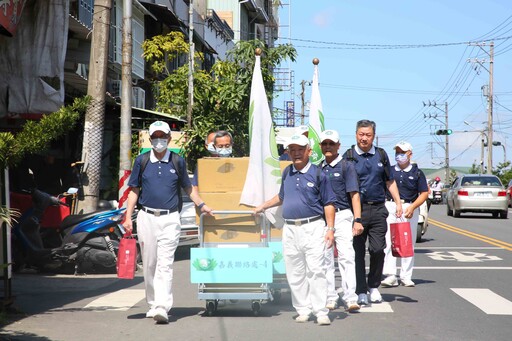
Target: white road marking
486	300
121	300
383	307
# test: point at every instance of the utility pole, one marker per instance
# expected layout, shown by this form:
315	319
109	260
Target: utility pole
125	143
445	132
95	113
302	101
190	63
489	97
490	100
447	151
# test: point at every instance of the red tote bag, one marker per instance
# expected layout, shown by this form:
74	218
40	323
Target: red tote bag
401	239
127	257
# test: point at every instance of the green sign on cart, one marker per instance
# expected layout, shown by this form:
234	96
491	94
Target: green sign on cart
231	265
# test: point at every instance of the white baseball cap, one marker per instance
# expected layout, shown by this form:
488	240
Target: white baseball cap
159	126
299	140
329	135
403	145
301	130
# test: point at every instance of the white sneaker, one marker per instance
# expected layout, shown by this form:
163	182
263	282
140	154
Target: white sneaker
407	283
151	313
302	318
362	299
323	320
331	305
161	316
390	281
352	306
375	296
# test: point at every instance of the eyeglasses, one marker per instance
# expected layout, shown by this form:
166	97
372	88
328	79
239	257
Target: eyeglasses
328	143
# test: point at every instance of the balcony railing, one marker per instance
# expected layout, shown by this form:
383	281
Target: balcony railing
220	25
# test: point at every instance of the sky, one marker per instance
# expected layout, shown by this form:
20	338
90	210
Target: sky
362	79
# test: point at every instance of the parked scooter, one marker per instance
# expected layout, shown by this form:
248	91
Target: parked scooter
89	241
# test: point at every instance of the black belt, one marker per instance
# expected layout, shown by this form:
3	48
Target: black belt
157	213
299	222
340	209
403	201
373	202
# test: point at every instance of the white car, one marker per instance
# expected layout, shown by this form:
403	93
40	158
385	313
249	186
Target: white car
189	229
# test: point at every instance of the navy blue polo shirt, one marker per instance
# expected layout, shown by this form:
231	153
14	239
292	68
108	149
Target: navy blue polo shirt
410	181
159	181
302	196
343	180
371	173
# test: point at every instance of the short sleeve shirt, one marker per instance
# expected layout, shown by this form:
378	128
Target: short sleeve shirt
410	181
343	180
372	175
159	181
303	195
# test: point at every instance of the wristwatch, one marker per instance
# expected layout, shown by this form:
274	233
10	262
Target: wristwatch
358	220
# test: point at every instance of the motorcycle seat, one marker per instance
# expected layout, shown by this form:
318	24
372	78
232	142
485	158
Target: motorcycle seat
72	220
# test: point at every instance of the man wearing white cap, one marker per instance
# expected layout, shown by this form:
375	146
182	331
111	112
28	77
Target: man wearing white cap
154	184
307	196
413	190
345	184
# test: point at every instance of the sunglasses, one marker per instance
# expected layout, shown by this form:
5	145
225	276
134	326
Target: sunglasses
328	143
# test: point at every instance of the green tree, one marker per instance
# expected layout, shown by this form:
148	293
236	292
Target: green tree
221	95
475	169
503	173
36	136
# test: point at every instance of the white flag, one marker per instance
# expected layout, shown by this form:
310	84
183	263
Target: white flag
264	174
316	121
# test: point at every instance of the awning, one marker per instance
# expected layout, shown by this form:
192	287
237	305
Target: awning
157	113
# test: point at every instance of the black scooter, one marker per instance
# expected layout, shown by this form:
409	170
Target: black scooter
89	242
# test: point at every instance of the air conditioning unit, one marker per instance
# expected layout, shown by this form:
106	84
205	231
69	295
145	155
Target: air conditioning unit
138	97
115	88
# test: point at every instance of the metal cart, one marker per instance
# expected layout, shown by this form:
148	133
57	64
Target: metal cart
232	269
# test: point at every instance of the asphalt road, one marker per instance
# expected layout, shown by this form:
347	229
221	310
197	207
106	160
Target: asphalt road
463	272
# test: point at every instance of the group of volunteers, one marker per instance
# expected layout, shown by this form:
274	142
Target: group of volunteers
345	201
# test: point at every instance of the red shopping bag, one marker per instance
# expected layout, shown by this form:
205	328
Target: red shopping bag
401	239
127	257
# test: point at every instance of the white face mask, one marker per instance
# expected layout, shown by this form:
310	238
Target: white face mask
402	159
159	145
224	152
211	148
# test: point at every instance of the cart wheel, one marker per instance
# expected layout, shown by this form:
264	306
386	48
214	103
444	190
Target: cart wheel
211	307
256	307
276	294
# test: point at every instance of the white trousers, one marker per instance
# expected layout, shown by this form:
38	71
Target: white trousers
304	256
346	259
406	264
158	238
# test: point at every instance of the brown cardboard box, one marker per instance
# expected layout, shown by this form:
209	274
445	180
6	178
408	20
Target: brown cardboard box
284	164
222	174
223	202
276	234
231	234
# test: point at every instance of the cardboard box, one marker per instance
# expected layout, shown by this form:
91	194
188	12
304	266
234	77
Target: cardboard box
217	175
226	202
284	164
276	234
231	234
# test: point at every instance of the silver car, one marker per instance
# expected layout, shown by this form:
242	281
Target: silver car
477	193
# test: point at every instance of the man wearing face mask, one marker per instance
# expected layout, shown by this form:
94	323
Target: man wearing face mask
158	221
223	143
413	190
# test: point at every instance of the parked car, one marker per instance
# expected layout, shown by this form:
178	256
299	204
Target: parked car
509	193
189	229
422	222
477	193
